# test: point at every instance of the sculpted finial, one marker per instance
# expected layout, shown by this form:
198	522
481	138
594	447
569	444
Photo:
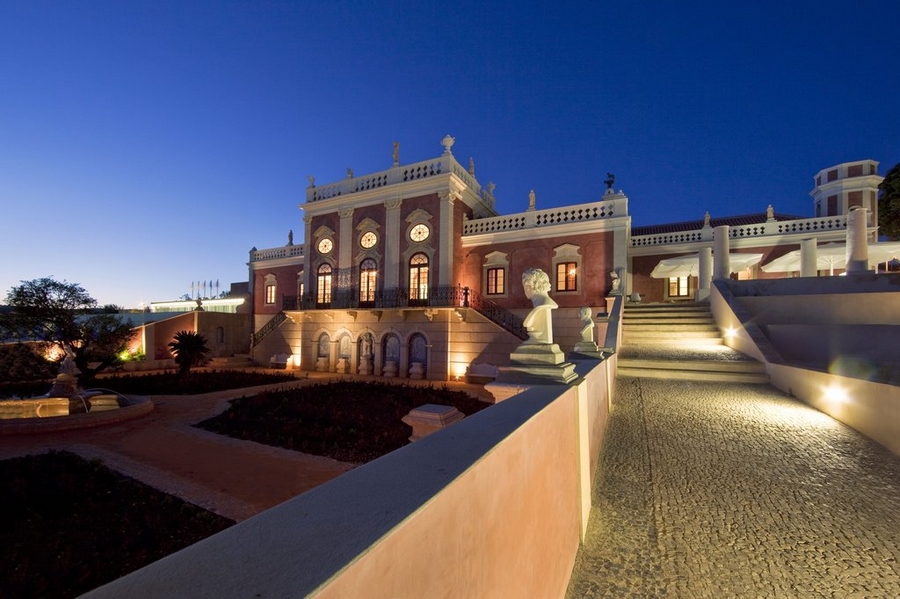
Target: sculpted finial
448	142
531	200
396	153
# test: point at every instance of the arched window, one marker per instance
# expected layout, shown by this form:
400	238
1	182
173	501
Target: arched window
418	279
323	285
368	274
220	334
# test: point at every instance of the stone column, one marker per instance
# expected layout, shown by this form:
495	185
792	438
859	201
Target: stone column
377	350
307	254
335	355
346	245
392	243
857	242
705	273
447	237
721	258
403	367
809	258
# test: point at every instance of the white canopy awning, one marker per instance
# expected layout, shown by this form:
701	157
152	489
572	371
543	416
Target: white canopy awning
833	255
684	266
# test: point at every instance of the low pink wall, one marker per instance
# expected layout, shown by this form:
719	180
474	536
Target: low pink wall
480	537
492	506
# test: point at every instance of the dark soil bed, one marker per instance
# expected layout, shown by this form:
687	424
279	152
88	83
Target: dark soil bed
347	421
69	525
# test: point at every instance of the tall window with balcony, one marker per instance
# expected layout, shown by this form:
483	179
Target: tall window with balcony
566	276
323	286
418	279
368	273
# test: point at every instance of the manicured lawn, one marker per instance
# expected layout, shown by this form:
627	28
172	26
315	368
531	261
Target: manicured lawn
347	421
68	525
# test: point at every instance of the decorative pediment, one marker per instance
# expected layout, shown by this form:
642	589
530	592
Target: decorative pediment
367	224
566	250
418	215
323	231
498	258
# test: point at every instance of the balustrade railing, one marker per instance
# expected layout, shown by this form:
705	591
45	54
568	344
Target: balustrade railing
781	227
400	174
287	251
267	328
498	315
544	218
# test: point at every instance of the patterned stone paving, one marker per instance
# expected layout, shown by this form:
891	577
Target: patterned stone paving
731	490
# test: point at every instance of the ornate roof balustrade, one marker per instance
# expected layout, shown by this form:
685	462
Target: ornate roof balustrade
400	174
745	231
285	251
550	216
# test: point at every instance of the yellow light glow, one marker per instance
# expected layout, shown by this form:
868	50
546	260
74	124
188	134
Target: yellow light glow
730	332
835	395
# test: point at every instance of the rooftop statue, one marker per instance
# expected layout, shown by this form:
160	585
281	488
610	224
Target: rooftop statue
531	200
539	322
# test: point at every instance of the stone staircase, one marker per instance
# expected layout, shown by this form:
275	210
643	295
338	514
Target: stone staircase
681	342
235	361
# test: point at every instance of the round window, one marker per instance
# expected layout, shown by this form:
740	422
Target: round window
420	232
325	246
368	240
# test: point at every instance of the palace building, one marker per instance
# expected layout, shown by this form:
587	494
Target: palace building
410	272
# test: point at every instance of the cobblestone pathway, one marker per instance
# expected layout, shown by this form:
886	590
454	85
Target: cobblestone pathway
731	490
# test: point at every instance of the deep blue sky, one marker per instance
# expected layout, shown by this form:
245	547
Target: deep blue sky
145	145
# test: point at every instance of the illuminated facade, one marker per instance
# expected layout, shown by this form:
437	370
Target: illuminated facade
411	272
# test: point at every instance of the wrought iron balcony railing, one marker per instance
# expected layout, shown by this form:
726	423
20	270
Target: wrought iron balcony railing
436	297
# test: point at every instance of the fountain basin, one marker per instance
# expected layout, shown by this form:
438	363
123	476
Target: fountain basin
85	410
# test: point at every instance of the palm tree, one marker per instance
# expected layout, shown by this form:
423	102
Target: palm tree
189	349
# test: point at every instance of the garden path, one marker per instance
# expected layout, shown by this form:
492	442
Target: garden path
233	478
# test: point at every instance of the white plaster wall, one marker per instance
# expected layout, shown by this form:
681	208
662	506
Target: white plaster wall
871	408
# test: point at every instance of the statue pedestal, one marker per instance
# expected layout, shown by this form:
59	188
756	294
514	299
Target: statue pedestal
586	350
538	364
586	346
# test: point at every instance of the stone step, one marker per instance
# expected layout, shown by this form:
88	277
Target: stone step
694	375
666	328
651	308
667	333
230	361
654	339
721	366
667	319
